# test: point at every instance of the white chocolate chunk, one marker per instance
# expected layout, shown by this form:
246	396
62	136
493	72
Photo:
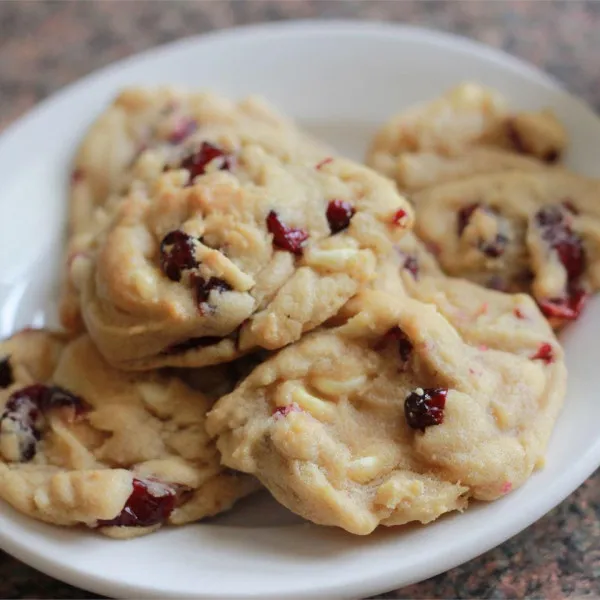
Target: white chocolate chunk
320	409
333	387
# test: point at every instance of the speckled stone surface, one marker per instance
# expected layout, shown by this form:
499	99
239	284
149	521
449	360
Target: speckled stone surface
44	46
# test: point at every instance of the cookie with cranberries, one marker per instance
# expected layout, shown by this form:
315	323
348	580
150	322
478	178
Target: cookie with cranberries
401	414
84	444
252	254
534	232
468	130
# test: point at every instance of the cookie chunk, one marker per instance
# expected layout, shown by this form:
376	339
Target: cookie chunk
519	232
82	443
140	132
395	416
466	131
251	252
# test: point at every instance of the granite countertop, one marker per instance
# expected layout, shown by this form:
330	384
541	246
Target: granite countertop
44	46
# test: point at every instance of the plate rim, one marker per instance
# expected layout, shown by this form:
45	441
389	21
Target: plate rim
375	582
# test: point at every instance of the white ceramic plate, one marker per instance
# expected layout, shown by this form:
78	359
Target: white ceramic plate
341	80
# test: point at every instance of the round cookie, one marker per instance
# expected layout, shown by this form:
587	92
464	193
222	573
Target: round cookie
132	140
250	252
520	231
82	443
466	131
395	416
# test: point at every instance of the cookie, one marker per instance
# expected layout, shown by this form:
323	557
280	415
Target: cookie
84	444
519	232
397	415
142	130
249	252
466	131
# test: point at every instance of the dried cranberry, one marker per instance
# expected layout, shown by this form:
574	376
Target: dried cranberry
196	163
284	237
192	344
204	287
6	373
150	503
183	129
339	214
519	313
25	408
545	352
324	162
566	309
555	225
464	216
284	411
425	407
495	248
395	334
399	216
411	264
177	252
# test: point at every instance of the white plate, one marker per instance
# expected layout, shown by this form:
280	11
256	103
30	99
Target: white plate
341	80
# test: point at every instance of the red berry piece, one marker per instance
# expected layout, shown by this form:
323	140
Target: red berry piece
339	214
284	237
284	411
545	352
196	163
554	223
204	287
6	373
150	503
25	409
424	407
324	162
565	309
177	253
399	217
182	130
519	313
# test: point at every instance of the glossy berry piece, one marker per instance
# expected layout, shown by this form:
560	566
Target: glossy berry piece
177	253
554	223
399	217
25	409
545	353
564	309
339	215
464	216
196	163
204	287
6	373
424	407
284	237
150	503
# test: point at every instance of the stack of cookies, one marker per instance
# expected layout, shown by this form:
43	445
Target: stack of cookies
242	307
